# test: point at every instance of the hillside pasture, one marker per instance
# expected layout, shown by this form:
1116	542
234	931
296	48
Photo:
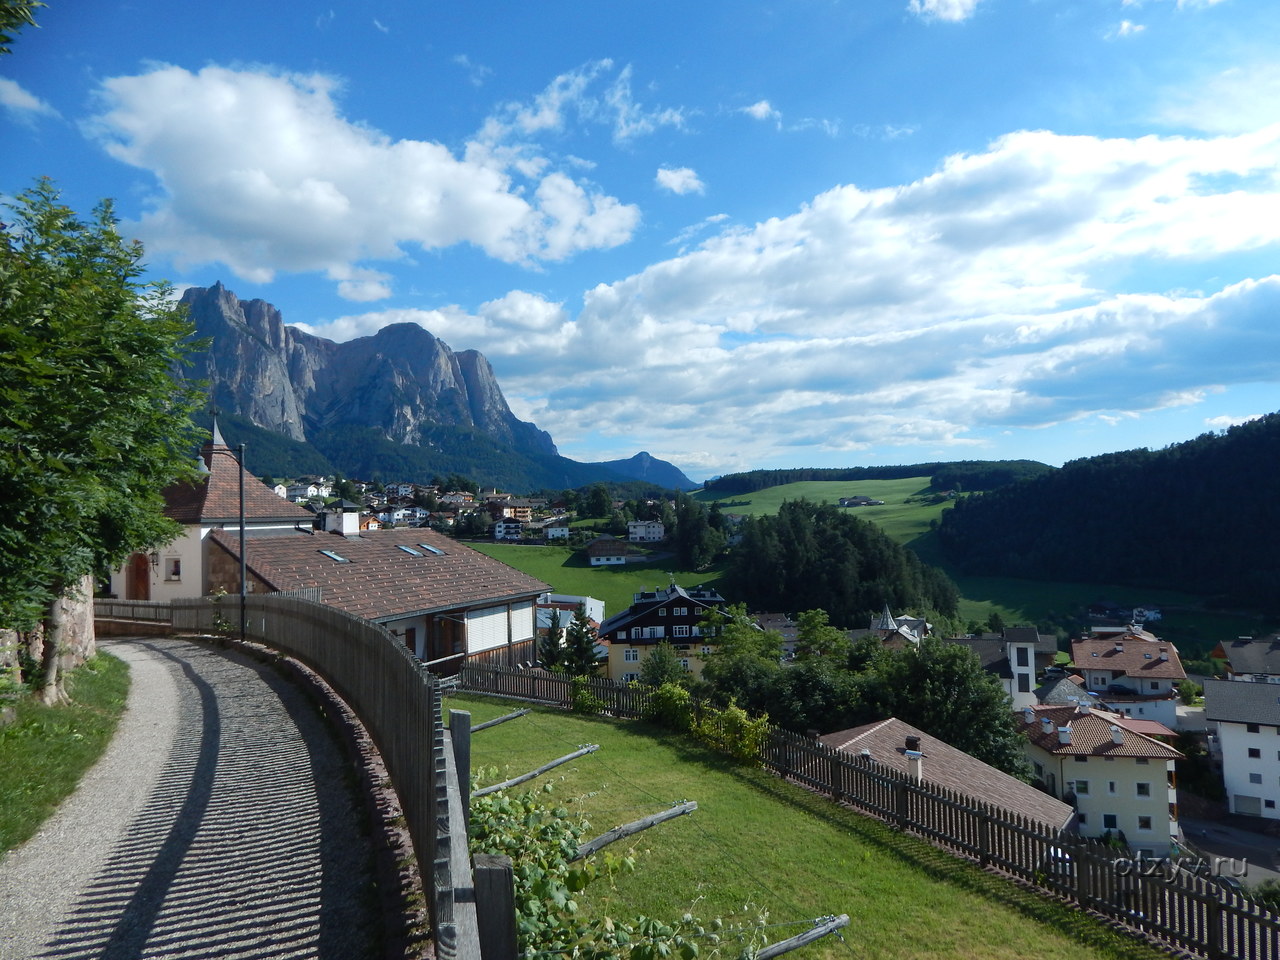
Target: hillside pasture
757	843
568	572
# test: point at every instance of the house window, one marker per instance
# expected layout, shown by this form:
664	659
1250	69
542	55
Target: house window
1024	683
679	631
1111	786
705	649
622	634
1108	821
684	662
1255	753
1081	758
1144	760
630	677
173	568
1082	818
662	611
1255	778
1144	789
1155	685
631	655
1022	656
1082	788
1269	804
679	611
1144	823
1251	728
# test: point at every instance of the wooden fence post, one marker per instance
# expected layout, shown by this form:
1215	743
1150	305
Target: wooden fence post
495	906
460	734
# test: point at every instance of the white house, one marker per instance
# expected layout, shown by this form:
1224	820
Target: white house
1247	716
556	530
1132	675
177	570
645	531
1121	781
606	551
508	530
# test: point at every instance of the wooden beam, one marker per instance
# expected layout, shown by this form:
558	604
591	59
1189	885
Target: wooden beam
820	929
591	748
493	723
627	830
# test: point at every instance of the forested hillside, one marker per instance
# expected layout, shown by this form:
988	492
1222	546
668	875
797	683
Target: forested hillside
1199	516
818	556
961	475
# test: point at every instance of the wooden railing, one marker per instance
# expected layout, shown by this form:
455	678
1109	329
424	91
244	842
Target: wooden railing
1191	912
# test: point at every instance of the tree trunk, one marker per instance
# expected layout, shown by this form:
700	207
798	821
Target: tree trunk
68	639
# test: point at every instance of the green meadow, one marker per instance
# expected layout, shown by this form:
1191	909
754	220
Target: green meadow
759	845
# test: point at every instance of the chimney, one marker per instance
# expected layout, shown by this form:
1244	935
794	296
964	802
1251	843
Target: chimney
1028	715
913	743
1117	735
1119	647
1046	725
915	763
1082	708
1064	735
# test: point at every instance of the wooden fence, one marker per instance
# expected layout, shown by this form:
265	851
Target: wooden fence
1174	905
394	696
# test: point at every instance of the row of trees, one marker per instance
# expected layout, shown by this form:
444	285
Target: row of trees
966	474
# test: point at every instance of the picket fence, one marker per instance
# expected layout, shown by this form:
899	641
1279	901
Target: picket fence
1175	906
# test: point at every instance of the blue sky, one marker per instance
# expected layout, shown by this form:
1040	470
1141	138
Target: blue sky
732	234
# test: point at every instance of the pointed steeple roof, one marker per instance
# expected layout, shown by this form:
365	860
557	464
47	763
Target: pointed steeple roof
887	621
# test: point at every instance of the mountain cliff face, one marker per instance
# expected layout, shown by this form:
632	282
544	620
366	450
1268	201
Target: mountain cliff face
402	382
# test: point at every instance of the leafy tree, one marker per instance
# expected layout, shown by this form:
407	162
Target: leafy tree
93	424
549	650
344	488
743	661
14	15
817	639
662	666
580	645
597	502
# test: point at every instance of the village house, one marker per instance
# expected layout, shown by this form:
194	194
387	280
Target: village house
1246	716
557	529
901	747
1249	659
1132	674
645	531
1121	781
177	570
895	631
606	551
672	615
1014	657
508	530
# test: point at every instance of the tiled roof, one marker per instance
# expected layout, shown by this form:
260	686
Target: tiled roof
1140	659
217	496
1242	701
943	764
381	580
1062	690
1253	656
990	652
1090	734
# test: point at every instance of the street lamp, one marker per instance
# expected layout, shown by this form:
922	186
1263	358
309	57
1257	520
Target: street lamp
239	459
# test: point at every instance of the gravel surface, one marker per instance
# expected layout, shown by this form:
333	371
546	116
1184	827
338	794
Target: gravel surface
221	822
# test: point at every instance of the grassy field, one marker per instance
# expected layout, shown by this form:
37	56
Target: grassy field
46	750
758	841
568	572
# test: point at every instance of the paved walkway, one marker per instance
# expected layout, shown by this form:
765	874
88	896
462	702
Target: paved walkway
221	822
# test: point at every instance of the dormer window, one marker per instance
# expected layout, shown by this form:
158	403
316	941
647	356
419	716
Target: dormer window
430	549
335	556
409	550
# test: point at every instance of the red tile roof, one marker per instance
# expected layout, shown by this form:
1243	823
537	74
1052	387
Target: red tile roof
1136	658
946	766
380	580
217	497
1090	734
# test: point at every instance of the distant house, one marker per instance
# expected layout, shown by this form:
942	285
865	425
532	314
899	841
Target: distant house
645	531
1132	675
606	550
860	502
1118	776
673	616
1014	657
901	747
508	530
1247	718
896	631
1249	659
784	626
556	530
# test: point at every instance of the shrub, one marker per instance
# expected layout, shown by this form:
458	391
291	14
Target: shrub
671	706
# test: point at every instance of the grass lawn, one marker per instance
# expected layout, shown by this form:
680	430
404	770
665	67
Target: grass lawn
758	841
44	753
568	572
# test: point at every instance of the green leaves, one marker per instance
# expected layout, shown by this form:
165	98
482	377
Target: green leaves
93	424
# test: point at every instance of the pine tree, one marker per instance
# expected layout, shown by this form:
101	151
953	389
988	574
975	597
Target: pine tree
580	645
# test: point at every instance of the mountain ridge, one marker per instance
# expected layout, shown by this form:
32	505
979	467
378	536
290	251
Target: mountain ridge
395	401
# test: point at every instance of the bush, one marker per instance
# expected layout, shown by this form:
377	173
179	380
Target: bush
732	731
671	706
583	700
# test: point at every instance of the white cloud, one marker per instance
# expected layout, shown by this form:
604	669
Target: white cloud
762	110
260	171
679	180
950	10
1127	28
476	73
1242	98
1222	423
14	98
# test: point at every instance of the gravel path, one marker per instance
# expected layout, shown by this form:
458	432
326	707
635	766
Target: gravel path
221	822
